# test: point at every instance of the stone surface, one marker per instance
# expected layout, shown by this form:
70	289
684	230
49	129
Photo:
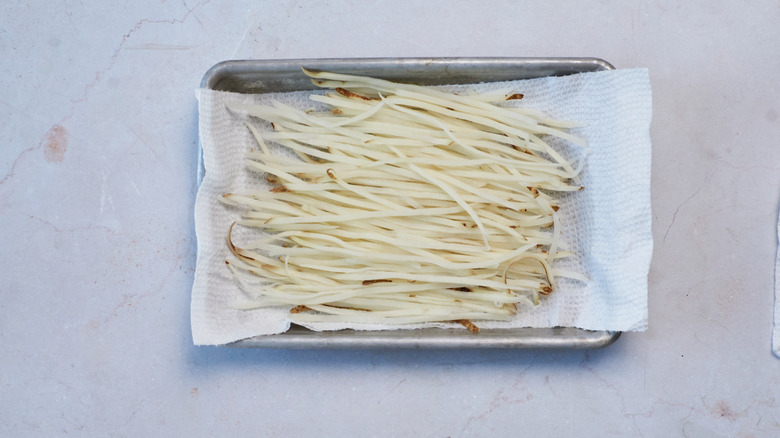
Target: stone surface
98	123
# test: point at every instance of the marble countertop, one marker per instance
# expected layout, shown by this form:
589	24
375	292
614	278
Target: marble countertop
97	183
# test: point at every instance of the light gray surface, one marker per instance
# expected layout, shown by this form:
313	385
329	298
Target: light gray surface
99	140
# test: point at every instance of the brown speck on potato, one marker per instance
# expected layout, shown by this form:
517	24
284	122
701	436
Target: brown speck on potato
523	150
299	309
381	280
516	96
352	95
348	308
468	324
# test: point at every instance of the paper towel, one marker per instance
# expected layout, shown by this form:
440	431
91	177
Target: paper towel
608	224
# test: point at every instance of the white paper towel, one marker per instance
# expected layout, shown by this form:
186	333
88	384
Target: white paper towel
608	224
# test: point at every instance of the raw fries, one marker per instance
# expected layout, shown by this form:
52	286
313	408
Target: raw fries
406	204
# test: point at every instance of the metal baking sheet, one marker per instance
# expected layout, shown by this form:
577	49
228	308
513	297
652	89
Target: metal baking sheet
263	76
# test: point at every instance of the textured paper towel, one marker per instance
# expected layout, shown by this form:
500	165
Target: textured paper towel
608	224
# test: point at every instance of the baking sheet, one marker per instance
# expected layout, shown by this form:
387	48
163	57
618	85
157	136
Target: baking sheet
265	76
